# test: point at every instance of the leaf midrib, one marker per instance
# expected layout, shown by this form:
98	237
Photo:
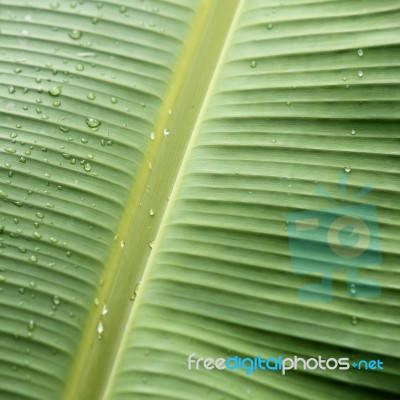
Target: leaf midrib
189	89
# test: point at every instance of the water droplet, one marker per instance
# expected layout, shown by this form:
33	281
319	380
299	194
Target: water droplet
33	259
253	64
32	284
96	301
56	300
166	132
360	74
104	310
21	290
10	150
2	278
40	215
347	169
151	244
151	212
55	91
54	5
17	203
353	132
122	244
91	96
37	235
75	34
360	52
114	100
31	325
353	290
68	253
11	89
3	193
270	26
100	329
64	129
87	167
152	136
354	320
92	122
79	67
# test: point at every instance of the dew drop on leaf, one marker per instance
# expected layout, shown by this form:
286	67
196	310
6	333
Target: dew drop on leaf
56	300
31	325
55	91
92	122
75	34
104	310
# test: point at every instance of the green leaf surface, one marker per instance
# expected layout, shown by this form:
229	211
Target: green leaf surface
173	139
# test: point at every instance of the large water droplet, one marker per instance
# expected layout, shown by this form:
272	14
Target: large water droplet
55	91
75	34
347	169
253	64
360	52
92	122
